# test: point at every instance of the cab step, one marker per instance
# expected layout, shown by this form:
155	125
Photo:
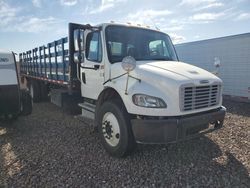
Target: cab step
88	110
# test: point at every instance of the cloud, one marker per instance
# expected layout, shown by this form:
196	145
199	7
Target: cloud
177	38
151	13
68	2
7	13
207	17
212	5
197	36
12	21
37	3
241	1
172	28
243	16
157	18
35	24
147	17
195	2
105	5
32	24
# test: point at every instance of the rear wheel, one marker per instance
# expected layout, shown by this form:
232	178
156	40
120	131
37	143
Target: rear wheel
114	129
70	104
35	91
26	103
44	91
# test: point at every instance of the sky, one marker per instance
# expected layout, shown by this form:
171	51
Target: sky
26	24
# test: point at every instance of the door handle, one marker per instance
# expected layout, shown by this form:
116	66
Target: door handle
83	78
96	67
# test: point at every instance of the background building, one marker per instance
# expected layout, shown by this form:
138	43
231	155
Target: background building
233	52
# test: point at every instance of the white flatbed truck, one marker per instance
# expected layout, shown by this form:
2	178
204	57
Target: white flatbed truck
128	79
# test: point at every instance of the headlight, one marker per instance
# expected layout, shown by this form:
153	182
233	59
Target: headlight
148	101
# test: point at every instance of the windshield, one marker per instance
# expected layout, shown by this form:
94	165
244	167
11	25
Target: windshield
142	44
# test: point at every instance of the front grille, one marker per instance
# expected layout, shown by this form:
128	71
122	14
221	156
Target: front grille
198	97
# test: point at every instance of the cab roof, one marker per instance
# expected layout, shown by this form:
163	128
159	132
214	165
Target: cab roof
104	25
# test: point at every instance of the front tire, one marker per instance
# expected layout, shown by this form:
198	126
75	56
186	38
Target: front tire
114	129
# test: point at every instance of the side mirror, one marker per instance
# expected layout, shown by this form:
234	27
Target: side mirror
78	46
78	57
79	40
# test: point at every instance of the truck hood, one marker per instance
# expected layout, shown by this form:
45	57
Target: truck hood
175	70
162	79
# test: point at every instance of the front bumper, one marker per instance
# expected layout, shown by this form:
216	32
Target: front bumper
173	129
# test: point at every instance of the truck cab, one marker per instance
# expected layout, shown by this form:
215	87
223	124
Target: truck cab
140	91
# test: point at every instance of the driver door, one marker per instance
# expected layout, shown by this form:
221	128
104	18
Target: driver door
92	70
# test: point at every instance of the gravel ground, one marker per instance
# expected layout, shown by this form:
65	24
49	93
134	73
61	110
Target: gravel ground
53	149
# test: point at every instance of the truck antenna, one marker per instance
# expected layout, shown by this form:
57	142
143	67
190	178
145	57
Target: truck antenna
157	28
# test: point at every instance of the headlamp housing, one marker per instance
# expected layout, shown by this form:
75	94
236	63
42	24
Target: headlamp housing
147	101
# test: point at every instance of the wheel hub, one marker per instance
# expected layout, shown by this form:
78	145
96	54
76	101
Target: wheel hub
111	129
107	129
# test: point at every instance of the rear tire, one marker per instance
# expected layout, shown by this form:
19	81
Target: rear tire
35	91
114	129
70	104
26	103
44	91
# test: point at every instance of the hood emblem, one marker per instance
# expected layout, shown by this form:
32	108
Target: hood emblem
204	82
193	72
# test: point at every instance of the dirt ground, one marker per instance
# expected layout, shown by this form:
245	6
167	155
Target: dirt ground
52	149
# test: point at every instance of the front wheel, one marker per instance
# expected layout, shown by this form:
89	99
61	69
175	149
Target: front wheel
114	129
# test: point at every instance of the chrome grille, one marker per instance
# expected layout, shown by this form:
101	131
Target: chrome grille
197	97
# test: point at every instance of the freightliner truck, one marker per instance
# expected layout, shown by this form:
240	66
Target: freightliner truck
128	79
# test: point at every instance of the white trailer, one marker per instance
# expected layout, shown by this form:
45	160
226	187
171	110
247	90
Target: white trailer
233	52
13	100
130	83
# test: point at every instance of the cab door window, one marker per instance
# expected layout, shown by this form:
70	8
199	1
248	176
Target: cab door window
94	47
